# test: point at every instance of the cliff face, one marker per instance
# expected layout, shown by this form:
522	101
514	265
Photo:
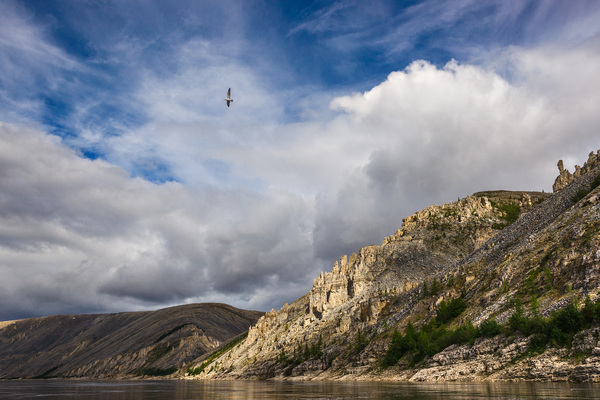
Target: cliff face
487	249
565	177
117	345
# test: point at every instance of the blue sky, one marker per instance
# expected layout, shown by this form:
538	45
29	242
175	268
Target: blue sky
128	184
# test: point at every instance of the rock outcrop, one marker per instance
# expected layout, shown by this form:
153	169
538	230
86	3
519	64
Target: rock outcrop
565	177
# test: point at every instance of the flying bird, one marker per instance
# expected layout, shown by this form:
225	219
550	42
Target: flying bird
229	99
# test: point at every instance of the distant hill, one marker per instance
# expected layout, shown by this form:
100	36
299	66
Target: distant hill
499	285
129	344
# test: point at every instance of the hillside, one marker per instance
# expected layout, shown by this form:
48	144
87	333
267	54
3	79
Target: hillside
499	285
153	343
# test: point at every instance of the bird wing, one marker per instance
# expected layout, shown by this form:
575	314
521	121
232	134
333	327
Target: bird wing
229	93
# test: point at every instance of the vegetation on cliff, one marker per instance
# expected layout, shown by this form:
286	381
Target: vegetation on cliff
557	330
433	337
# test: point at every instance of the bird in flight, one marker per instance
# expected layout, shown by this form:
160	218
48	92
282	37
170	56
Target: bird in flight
229	99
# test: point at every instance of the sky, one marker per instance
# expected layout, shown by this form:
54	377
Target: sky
126	183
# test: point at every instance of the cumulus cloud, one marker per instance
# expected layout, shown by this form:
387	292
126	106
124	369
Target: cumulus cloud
436	134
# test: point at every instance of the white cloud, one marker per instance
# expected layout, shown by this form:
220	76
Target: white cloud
438	134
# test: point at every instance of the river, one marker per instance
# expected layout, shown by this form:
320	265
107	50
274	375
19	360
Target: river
259	390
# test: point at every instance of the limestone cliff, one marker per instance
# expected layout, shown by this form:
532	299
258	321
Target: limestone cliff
487	249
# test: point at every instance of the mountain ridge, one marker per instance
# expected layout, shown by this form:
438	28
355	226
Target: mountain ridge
118	345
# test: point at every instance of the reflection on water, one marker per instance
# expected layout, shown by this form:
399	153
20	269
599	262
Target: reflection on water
258	390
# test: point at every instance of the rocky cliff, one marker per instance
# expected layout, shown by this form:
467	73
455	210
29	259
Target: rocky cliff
487	251
122	345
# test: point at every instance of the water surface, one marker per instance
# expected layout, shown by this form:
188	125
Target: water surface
258	390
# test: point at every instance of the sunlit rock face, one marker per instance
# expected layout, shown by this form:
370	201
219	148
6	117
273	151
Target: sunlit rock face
565	177
430	241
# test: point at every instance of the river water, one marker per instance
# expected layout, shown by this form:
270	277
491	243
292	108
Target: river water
258	390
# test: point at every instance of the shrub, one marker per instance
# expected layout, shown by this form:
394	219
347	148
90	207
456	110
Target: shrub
465	333
395	351
579	195
558	337
435	287
489	328
591	310
510	213
538	342
450	310
569	319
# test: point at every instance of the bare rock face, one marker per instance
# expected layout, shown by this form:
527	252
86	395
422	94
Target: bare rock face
429	241
565	177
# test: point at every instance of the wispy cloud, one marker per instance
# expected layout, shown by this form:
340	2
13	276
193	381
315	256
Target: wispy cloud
30	65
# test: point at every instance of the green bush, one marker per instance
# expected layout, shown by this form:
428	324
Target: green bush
432	337
510	213
591	311
435	287
450	310
490	328
465	333
579	195
429	340
569	319
558	329
395	350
